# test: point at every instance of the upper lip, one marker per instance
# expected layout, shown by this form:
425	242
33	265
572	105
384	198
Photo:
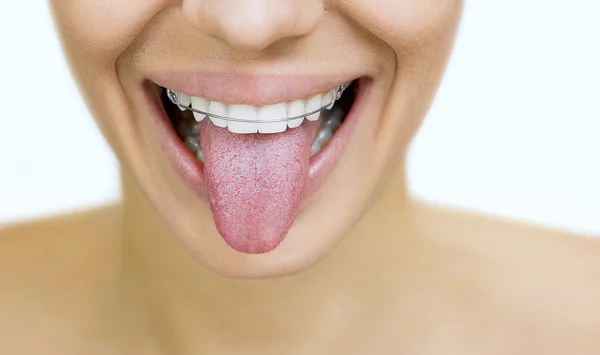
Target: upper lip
249	89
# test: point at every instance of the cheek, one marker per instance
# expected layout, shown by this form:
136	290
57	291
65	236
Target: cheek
100	30
94	34
421	34
406	25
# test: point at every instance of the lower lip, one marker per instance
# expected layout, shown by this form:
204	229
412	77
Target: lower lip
192	171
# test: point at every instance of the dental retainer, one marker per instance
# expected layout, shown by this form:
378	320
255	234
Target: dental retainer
335	94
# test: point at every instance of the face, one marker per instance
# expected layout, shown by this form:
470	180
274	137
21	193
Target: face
260	194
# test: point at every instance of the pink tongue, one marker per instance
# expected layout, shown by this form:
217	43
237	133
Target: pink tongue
255	183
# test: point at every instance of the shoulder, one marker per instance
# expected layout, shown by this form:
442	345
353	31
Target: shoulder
39	247
83	221
40	244
50	271
517	243
53	231
518	285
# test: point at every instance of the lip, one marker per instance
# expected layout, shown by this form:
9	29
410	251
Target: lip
192	171
255	90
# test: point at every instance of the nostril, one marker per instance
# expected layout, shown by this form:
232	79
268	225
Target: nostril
253	25
254	30
248	38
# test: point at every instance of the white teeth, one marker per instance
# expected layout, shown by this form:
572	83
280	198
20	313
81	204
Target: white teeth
296	108
192	143
200	104
315	148
199	117
324	135
265	119
200	155
217	108
269	113
184	100
246	113
312	105
327	100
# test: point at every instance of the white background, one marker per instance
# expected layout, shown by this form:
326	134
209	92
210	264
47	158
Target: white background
515	131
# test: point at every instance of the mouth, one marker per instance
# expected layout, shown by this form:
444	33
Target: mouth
256	158
329	109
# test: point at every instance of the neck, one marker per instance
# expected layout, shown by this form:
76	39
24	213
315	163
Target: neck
179	291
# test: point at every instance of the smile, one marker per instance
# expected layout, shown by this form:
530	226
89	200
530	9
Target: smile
327	108
257	157
254	118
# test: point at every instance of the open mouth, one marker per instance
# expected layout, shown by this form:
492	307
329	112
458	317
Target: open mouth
187	113
256	164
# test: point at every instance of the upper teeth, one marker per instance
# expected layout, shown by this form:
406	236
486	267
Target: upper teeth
250	119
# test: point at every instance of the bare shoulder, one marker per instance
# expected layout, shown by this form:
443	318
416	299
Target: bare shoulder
104	216
524	245
36	239
519	286
50	274
55	247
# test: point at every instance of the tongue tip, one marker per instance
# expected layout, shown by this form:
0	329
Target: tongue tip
253	240
253	245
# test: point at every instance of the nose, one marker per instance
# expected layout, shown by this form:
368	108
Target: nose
253	25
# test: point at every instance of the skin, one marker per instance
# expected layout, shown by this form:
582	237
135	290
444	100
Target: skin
405	54
376	272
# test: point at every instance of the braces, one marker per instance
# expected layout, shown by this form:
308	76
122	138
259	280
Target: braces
335	95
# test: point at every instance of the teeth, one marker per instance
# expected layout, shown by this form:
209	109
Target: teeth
315	148
312	105
192	143
249	119
187	128
296	108
217	108
273	112
184	100
246	113
327	100
324	135
200	104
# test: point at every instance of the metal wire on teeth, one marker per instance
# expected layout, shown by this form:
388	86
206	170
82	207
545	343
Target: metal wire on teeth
335	95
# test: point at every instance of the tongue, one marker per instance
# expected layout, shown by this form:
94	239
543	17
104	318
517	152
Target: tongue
255	183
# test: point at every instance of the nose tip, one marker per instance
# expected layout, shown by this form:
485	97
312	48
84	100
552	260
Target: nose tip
253	25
